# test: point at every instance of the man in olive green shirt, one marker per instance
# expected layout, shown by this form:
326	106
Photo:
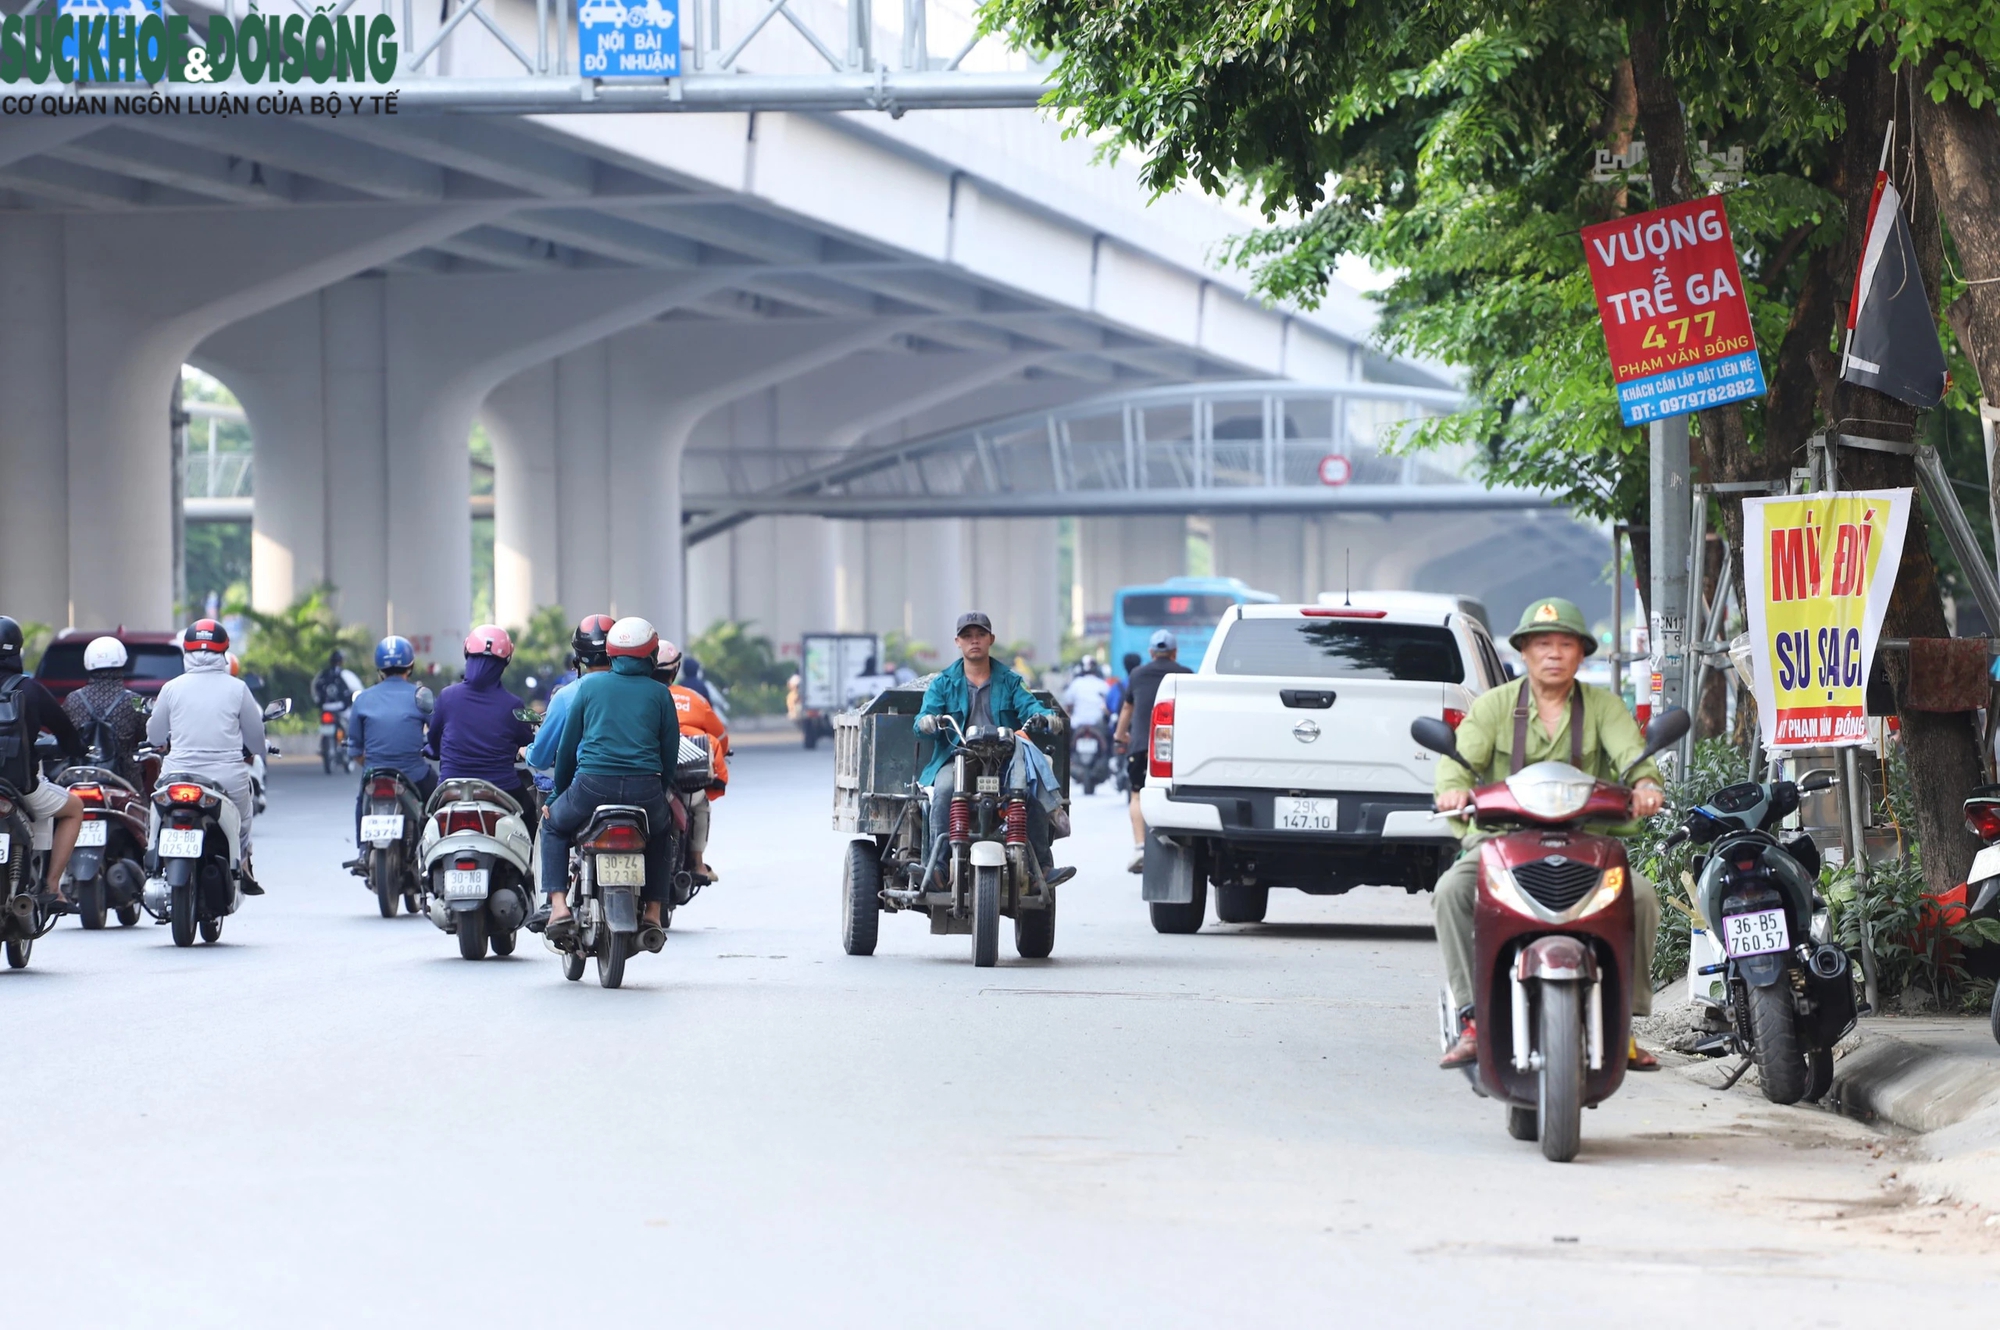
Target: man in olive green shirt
1552	640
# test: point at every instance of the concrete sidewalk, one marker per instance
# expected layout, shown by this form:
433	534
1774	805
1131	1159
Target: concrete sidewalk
1938	1077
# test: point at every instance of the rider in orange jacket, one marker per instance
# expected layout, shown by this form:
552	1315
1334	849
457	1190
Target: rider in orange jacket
697	717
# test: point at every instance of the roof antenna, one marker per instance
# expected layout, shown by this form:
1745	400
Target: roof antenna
1349	601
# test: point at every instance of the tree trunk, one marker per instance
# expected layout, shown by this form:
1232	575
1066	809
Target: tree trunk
1942	749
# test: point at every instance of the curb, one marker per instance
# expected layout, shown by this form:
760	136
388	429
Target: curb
1914	1084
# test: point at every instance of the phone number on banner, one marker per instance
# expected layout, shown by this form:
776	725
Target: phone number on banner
1678	391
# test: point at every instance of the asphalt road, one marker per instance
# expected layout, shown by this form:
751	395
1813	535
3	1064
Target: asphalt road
328	1119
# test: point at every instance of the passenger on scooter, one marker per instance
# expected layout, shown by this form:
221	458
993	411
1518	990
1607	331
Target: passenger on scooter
209	720
44	800
587	645
1550	716
107	714
1087	694
977	690
386	727
696	716
620	735
474	732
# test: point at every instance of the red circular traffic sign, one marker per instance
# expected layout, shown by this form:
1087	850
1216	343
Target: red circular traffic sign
1335	470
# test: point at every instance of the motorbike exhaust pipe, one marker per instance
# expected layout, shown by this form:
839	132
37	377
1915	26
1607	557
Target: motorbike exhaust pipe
1828	961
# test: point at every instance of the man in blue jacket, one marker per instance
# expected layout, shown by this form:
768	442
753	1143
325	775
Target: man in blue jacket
587	645
386	726
621	734
979	691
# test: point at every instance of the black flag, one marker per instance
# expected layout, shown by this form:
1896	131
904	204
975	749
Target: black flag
1892	341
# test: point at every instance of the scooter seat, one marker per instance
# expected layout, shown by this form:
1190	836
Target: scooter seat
610	812
462	789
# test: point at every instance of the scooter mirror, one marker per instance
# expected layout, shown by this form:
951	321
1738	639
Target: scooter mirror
1663	731
281	707
1820	778
1434	734
527	715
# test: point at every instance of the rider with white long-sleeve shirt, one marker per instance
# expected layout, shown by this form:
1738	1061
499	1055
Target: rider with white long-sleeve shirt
209	720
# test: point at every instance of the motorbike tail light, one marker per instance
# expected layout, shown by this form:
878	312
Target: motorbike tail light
961	820
1983	821
1017	822
184	794
469	819
326	718
620	838
466	865
383	787
90	794
6	807
1160	757
1454	717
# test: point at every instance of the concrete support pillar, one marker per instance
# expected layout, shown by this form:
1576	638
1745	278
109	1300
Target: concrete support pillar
520	419
1013	578
1265	550
34	434
125	325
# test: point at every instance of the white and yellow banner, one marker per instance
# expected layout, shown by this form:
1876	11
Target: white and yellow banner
1818	570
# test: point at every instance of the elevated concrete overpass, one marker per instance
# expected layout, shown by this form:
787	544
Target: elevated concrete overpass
607	290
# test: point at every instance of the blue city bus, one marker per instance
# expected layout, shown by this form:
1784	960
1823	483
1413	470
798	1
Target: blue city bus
1190	606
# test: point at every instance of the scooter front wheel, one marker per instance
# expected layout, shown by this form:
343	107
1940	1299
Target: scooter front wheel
1561	1081
985	915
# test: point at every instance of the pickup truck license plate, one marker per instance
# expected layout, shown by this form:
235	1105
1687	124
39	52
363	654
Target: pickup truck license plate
1756	934
1289	814
90	833
381	828
621	870
180	842
461	884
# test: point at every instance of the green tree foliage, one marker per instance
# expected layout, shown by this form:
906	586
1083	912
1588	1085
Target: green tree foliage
541	651
290	647
745	665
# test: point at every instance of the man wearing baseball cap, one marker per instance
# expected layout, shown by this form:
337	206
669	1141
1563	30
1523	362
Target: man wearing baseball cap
1135	713
977	690
1548	717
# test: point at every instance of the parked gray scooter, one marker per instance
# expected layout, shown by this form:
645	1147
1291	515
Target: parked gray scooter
1788	990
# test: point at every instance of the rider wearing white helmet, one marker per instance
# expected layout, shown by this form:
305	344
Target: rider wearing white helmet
108	716
620	735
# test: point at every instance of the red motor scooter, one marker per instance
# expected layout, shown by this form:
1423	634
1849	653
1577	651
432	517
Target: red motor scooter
1553	951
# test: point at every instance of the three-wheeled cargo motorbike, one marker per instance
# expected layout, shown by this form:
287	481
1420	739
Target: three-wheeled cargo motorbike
965	876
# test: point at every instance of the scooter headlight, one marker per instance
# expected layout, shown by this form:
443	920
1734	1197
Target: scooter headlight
1607	891
1552	790
1501	885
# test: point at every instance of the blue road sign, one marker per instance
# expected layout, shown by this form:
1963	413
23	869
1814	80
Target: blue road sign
628	38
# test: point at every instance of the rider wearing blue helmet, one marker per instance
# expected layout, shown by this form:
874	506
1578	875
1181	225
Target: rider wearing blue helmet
387	727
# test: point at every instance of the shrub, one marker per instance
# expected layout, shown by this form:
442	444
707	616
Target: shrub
290	647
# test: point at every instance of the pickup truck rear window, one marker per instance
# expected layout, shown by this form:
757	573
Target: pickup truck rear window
1167	611
1341	648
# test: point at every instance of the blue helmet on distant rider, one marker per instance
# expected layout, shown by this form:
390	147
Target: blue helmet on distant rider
394	653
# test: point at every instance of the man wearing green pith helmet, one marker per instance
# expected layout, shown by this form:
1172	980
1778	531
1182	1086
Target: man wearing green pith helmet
1566	721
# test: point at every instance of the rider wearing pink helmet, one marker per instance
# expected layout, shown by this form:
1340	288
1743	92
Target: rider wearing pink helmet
474	732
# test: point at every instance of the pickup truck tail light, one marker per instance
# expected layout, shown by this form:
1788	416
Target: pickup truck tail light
1160	756
1454	717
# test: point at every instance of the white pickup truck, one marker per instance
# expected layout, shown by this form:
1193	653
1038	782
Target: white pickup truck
1286	759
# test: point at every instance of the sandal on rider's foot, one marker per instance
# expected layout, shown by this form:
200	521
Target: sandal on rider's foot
539	920
250	887
652	937
1638	1059
52	901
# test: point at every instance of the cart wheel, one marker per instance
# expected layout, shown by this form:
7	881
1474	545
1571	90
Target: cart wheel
1035	932
860	898
986	915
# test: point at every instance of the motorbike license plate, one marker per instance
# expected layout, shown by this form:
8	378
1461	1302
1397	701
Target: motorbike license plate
180	842
6	846
464	884
1756	934
90	833
381	828
1289	814
1985	864
1086	748
621	870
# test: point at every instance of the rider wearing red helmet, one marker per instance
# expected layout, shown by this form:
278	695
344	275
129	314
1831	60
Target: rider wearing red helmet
474	732
620	735
211	723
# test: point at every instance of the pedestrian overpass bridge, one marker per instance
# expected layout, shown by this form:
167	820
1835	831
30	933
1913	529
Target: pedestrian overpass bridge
627	293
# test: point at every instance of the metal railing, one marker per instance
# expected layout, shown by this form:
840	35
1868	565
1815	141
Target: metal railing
1223	447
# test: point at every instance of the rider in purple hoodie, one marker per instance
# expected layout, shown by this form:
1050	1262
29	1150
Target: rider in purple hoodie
474	732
